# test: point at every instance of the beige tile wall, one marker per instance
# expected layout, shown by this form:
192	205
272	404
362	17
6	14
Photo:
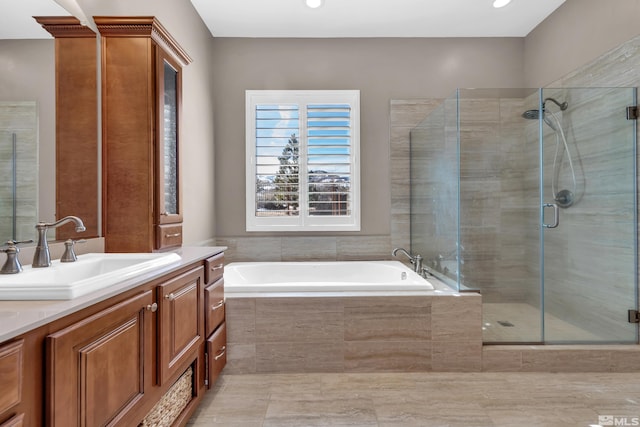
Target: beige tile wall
307	248
20	118
354	334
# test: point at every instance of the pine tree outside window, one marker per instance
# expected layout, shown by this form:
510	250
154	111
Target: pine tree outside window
302	170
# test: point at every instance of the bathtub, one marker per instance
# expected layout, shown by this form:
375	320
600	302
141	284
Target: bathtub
353	316
322	276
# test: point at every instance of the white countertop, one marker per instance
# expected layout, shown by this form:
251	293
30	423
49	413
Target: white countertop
18	317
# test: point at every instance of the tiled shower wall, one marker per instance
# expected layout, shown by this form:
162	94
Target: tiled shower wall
19	118
495	205
595	136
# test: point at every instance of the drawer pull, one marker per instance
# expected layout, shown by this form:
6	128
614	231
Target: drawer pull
168	236
170	297
217	267
223	350
152	307
217	306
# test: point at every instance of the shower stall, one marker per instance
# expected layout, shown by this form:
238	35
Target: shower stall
529	197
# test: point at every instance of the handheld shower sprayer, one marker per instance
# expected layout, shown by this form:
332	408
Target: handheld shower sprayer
564	198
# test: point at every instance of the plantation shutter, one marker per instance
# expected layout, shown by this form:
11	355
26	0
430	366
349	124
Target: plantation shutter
302	167
329	159
277	160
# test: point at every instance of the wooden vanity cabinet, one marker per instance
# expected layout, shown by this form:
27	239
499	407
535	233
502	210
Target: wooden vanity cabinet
117	361
141	101
99	369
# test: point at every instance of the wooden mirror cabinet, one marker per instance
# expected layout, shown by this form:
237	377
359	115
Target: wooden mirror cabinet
141	91
141	106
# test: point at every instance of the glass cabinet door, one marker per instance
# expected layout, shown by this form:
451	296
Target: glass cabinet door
169	196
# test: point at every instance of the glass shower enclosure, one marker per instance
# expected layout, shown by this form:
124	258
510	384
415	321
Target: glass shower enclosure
529	197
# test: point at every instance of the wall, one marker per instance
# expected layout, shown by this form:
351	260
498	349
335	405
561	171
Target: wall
578	32
382	69
28	74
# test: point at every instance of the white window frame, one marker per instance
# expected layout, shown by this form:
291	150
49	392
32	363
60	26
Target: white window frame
303	221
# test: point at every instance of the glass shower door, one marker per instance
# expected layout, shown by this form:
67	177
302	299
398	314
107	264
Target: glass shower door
588	213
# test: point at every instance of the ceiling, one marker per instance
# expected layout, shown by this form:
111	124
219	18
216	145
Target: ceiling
335	18
16	18
373	18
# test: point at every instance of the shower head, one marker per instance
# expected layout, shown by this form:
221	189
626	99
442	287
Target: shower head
531	114
535	114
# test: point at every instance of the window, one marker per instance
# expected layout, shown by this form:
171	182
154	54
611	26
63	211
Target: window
302	164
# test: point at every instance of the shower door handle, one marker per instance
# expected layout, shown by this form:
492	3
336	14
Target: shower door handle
556	215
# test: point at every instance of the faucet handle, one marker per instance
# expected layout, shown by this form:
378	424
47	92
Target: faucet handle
12	243
12	264
69	254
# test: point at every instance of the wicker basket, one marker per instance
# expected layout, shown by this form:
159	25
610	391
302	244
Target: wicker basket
167	410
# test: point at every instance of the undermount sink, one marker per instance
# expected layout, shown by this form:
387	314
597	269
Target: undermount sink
91	272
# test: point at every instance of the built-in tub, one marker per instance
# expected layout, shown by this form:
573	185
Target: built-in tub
351	316
323	276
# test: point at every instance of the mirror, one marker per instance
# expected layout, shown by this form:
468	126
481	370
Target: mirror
170	139
27	61
18	163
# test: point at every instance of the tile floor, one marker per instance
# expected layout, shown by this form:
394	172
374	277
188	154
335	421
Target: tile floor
420	399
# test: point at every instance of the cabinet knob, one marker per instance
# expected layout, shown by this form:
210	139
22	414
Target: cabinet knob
170	297
217	306
152	307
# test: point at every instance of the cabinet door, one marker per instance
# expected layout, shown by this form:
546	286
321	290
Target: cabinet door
98	369
11	358
15	421
181	323
169	80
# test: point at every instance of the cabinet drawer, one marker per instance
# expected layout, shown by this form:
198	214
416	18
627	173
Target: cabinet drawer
214	268
11	356
217	350
214	306
181	322
15	421
168	236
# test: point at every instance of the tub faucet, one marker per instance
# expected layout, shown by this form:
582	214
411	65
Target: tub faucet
415	260
42	257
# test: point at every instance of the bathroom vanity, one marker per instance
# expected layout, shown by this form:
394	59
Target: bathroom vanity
135	353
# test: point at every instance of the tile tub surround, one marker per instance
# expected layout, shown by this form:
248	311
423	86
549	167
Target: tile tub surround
354	334
437	333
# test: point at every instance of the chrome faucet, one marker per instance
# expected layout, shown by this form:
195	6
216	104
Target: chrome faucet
415	260
42	257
